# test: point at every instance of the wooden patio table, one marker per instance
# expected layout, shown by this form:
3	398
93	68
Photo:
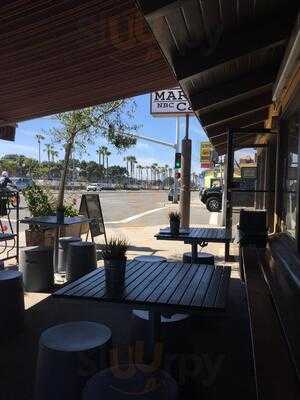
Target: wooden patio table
197	236
160	287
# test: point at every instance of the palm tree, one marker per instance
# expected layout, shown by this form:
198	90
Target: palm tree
99	152
48	150
132	161
107	154
39	139
54	154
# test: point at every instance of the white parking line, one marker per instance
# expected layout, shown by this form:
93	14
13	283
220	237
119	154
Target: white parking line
137	216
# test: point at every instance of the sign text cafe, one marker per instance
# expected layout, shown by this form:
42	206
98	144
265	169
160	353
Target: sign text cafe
169	102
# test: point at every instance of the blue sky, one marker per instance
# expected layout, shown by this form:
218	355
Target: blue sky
146	153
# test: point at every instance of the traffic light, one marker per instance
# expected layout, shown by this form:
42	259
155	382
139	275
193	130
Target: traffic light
177	175
177	160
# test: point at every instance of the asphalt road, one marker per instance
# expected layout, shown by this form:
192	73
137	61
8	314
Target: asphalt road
141	208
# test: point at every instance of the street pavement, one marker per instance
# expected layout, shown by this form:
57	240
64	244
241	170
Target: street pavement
138	208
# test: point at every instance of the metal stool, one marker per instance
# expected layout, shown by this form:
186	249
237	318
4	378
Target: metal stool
131	382
36	264
81	259
11	303
202	258
173	329
63	252
69	355
150	258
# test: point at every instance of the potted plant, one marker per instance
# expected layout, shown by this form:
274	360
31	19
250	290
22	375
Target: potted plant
114	256
40	202
174	218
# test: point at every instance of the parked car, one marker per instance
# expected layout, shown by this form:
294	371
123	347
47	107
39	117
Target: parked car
22	183
171	194
212	197
94	187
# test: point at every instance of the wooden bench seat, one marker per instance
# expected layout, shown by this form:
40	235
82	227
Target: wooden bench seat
273	302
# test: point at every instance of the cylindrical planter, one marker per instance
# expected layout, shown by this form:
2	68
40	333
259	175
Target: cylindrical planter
174	227
115	274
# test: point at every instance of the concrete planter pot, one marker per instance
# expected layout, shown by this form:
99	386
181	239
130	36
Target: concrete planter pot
174	227
115	274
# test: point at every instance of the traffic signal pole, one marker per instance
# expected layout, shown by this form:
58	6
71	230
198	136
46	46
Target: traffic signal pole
177	150
185	193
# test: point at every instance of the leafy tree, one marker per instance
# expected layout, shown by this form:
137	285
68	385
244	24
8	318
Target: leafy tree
81	127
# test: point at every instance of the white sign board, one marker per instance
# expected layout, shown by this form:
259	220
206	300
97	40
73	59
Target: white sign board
169	102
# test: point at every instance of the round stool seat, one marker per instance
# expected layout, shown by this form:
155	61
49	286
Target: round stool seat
131	382
81	259
150	258
36	264
202	258
70	354
11	303
63	250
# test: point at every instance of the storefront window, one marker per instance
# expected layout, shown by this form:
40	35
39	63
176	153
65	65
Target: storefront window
291	176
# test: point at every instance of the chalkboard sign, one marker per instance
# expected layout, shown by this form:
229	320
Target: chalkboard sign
90	206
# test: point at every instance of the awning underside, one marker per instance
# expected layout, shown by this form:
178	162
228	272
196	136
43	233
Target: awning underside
63	55
225	55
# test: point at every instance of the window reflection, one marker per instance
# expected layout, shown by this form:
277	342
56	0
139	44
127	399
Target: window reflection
291	177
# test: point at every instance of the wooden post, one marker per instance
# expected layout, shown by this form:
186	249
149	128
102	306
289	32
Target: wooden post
185	194
228	188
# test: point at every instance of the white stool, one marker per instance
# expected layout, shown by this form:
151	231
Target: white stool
69	354
131	382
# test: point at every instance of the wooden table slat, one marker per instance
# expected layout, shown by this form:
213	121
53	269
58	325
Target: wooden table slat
176	297
165	283
203	286
191	290
170	290
221	298
80	291
133	295
143	277
69	286
152	286
131	273
213	288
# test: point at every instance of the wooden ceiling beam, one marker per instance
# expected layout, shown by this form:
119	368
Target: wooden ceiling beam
231	47
153	9
228	112
243	87
238	122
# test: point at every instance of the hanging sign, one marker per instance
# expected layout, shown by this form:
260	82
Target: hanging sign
206	153
169	102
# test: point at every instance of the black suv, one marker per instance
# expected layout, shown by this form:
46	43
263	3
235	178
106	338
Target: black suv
212	197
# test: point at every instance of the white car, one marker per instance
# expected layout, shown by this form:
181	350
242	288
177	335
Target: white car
94	187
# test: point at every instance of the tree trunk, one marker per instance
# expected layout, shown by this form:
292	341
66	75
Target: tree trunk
61	193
